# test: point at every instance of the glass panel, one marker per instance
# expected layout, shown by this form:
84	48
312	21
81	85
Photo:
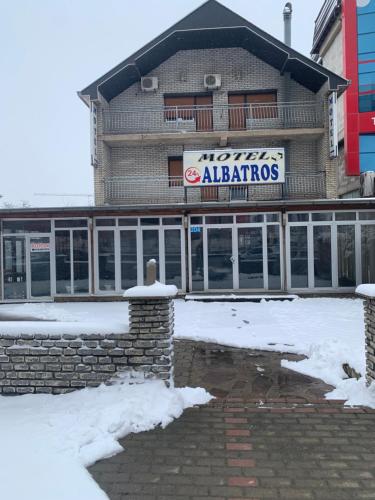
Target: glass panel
40	267
196	220
273	217
368	253
128	222
298	257
250	257
249	219
172	221
345	215
81	261
27	226
14	268
273	249
197	259
105	222
322	256
151	221
366	215
106	254
71	223
220	267
346	255
321	217
172	240
150	249
62	250
128	243
298	217
219	219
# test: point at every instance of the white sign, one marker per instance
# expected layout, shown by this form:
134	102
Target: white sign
39	246
93	134
332	125
228	167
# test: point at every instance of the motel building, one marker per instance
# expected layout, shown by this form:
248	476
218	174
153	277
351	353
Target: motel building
216	151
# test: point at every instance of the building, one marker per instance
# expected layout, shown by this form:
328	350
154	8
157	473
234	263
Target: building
213	152
344	42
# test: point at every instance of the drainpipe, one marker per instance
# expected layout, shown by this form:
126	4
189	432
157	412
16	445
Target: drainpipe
287	13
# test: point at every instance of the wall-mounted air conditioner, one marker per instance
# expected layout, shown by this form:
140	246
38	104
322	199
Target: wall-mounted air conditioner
149	83
367	184
212	81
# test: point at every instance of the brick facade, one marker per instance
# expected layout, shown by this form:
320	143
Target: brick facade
183	73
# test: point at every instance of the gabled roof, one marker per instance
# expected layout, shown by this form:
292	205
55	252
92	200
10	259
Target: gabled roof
212	25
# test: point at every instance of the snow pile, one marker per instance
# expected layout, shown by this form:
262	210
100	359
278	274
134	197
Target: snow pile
366	289
155	290
72	318
47	441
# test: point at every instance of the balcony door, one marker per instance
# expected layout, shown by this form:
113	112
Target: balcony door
243	108
191	112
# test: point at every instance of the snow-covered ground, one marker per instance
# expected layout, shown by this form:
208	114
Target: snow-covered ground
46	442
49	440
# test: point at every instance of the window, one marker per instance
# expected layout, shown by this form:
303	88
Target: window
209	193
175	171
196	109
367	152
251	106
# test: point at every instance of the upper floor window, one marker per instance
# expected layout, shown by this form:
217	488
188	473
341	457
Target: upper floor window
251	106
175	171
196	109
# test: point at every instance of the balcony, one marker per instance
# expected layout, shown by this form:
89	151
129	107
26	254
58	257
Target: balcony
170	190
209	121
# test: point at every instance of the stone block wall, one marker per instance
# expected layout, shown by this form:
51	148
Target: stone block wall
55	364
370	339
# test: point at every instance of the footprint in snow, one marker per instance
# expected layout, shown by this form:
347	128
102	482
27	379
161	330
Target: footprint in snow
245	321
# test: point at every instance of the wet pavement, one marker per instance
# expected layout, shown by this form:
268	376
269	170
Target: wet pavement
269	434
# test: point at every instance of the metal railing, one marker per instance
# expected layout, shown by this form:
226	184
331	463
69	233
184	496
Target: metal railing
170	190
280	115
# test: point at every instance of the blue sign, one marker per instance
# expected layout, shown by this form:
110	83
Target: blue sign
195	229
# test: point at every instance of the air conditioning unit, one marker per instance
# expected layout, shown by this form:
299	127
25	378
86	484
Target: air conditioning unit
367	184
149	83
212	81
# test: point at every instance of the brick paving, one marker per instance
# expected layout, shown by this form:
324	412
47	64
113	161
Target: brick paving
241	448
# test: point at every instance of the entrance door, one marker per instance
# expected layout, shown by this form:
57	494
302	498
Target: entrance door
220	258
250	257
40	266
14	248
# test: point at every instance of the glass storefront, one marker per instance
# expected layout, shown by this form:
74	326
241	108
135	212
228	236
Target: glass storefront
309	251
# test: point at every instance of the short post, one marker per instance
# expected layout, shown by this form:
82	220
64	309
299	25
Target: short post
367	292
151	317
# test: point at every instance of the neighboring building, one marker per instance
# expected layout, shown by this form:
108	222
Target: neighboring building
344	42
254	208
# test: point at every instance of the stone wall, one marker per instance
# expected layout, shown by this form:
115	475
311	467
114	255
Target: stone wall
370	339
55	364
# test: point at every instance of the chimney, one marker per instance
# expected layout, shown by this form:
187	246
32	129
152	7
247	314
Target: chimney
287	13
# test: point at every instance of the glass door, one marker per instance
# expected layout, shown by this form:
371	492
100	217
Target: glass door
250	257
220	258
128	255
14	251
40	266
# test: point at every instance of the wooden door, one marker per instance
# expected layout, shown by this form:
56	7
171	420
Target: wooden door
267	105
237	112
204	119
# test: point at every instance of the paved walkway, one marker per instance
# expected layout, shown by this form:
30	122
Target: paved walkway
240	448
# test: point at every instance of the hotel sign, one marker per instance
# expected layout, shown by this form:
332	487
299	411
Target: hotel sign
233	167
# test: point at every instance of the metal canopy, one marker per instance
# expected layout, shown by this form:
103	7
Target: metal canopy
213	26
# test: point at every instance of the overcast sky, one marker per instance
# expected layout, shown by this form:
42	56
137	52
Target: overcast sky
49	49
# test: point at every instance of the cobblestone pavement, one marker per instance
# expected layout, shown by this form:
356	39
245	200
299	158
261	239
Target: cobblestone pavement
243	448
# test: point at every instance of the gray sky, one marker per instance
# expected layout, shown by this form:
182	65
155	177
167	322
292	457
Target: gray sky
49	49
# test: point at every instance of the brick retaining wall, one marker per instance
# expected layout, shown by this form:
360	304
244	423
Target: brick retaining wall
41	363
370	339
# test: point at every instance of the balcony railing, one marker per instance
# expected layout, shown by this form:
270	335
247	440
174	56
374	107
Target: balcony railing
281	115
170	190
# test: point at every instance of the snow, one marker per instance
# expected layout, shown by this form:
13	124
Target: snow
366	289
233	297
155	290
73	318
47	441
